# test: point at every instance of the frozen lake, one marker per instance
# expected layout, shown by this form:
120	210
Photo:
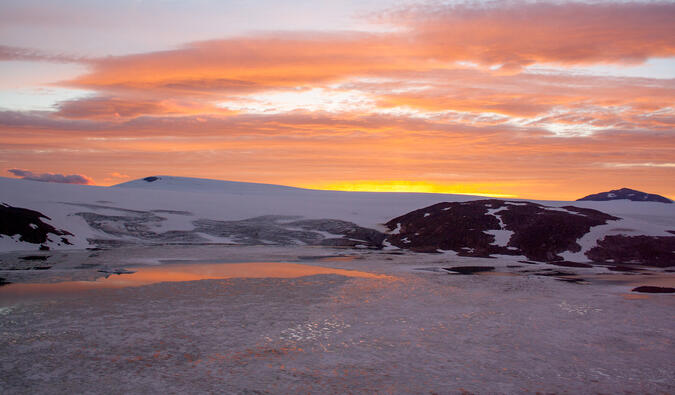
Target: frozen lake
320	320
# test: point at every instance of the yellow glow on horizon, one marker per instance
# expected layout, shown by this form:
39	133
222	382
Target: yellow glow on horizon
410	186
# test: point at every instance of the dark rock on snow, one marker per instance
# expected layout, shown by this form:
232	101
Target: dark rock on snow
34	257
469	269
28	225
641	250
654	290
539	232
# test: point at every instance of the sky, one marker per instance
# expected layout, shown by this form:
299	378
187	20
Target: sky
531	99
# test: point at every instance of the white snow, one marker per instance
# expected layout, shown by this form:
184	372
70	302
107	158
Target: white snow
517	203
397	230
502	236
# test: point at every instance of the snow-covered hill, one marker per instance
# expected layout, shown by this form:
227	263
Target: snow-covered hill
172	204
186	184
166	209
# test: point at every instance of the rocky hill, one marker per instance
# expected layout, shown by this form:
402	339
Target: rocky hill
492	226
483	228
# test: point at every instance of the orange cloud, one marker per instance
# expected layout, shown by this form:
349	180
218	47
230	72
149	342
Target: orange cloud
323	151
512	34
99	108
505	34
442	103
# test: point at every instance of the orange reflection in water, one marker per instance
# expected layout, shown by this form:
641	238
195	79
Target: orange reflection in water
185	272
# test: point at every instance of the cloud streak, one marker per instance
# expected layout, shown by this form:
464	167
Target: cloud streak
8	53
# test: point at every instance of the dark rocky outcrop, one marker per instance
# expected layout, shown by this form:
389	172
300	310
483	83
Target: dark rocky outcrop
642	250
151	179
469	269
541	232
654	290
28	225
538	232
447	226
35	257
626	193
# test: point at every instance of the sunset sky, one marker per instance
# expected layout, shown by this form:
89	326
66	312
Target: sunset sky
548	100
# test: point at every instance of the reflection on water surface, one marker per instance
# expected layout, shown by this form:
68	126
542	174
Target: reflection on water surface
184	272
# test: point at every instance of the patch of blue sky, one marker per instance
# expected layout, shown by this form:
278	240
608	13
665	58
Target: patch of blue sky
32	86
38	99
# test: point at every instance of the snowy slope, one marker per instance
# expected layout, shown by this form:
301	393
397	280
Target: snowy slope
186	184
175	203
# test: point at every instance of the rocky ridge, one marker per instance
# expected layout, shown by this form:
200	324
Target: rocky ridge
481	228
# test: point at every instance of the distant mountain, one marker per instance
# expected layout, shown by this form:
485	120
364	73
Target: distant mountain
626	193
188	184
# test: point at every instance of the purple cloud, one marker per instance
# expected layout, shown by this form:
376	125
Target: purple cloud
50	177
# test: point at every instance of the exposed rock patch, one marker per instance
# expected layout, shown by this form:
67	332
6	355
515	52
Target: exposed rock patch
626	193
641	250
469	269
28	225
469	228
654	290
35	257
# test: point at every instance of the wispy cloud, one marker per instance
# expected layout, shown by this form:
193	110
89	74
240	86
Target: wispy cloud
644	164
17	53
